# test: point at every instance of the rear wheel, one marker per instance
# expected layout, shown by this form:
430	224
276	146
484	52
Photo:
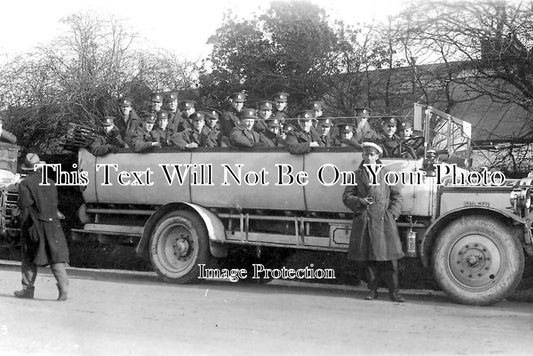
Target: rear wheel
477	260
179	243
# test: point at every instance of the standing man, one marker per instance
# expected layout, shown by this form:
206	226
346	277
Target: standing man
375	240
174	115
264	113
128	121
43	241
231	118
324	132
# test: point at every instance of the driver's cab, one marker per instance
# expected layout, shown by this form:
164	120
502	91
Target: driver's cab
447	139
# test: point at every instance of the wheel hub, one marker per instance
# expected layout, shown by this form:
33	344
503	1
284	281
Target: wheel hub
182	247
475	261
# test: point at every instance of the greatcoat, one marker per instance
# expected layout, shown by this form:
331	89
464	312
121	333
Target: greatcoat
374	235
43	240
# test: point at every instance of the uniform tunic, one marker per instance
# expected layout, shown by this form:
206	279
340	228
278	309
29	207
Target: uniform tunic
105	143
298	141
374	235
182	138
244	138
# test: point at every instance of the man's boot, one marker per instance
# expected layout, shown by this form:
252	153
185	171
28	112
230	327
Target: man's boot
25	292
60	273
391	279
372	283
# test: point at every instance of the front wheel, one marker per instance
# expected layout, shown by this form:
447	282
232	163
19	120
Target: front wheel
477	260
178	245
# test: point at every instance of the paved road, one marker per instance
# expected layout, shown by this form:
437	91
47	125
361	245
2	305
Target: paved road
132	313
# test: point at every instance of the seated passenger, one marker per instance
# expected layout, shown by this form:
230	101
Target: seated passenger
388	139
264	112
272	135
346	137
363	130
188	107
300	139
6	136
174	115
194	136
142	140
128	120
281	109
243	135
162	132
108	138
231	117
324	129
212	129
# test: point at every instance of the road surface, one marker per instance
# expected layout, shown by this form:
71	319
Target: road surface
134	313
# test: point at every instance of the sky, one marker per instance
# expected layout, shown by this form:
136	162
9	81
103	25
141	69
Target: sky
182	27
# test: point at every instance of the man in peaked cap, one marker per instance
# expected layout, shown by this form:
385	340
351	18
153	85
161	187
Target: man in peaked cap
324	128
264	112
212	129
346	136
243	135
389	140
194	136
143	140
301	140
406	130
174	114
363	130
230	118
108	139
188	107
128	120
272	134
161	132
374	240
156	102
281	109
42	238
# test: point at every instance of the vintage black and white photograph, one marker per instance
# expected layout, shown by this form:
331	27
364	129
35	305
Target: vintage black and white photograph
285	177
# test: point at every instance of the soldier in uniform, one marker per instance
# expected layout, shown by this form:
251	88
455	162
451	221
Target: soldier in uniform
162	132
318	108
375	240
281	111
406	130
231	118
273	137
142	140
188	108
324	130
244	135
301	140
264	112
194	136
212	129
388	139
346	137
363	130
156	103
108	139
43	240
6	136
174	115
128	121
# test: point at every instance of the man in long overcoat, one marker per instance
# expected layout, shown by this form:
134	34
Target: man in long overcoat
375	240
43	241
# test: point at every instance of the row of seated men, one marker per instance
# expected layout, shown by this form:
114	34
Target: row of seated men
240	127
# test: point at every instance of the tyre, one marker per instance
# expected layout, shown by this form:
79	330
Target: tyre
477	260
179	243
